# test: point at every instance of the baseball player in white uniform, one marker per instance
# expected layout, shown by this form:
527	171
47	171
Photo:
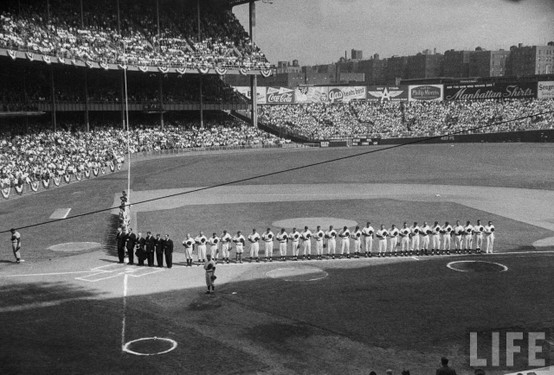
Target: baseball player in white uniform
283	237
239	242
306	236
425	232
393	234
405	239
468	237
368	233
446	232
201	242
295	236
319	235
331	236
345	243
225	245
357	237
478	230
458	233
254	237
382	235
489	235
213	241
436	233
267	237
188	243
414	237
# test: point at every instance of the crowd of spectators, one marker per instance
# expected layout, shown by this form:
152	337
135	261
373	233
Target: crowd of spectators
136	39
41	155
320	121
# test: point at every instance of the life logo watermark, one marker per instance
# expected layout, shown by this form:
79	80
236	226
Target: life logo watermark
509	349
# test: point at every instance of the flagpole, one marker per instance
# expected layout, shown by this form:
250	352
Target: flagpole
128	139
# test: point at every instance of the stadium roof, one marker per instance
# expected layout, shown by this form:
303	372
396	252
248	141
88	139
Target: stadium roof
238	2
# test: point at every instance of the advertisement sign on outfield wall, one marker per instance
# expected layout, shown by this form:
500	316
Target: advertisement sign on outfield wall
245	90
279	95
346	93
311	94
387	93
545	90
493	90
425	92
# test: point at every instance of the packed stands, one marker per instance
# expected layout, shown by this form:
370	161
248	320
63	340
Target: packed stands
42	154
319	121
59	28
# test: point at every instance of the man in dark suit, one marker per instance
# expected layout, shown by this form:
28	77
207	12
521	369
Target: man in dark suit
159	250
131	241
120	239
141	253
444	369
150	243
168	251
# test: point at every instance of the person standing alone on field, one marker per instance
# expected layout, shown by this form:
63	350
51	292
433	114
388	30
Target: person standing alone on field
209	267
16	245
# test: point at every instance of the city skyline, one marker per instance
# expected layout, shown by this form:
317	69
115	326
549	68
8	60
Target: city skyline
320	31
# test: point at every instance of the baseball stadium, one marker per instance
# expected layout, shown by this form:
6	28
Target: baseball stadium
118	122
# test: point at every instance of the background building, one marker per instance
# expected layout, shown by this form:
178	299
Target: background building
530	60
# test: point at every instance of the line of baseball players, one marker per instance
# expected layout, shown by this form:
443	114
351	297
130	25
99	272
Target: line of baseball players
405	241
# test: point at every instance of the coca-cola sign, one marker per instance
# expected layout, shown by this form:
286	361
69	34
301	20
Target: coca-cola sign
492	90
425	92
279	95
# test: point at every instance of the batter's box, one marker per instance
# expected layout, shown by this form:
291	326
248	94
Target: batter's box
115	270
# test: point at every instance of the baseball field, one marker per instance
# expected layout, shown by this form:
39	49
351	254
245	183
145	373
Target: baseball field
70	308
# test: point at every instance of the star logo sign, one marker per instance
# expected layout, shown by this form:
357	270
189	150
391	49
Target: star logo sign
385	94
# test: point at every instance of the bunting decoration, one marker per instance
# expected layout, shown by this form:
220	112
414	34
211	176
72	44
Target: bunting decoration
13	55
34	185
66	178
220	71
46	183
46	59
5	192
57	181
19	189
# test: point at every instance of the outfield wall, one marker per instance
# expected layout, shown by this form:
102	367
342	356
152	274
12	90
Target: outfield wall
519	136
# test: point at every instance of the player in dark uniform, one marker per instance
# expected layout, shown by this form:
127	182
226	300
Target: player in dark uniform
159	251
130	244
150	246
140	251
120	238
168	251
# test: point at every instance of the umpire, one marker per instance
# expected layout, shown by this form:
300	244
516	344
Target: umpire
168	251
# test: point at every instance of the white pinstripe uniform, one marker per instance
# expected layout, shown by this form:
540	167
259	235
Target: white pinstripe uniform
415	230
307	242
405	238
436	237
446	236
331	236
425	231
225	244
468	237
489	234
357	237
214	241
254	245
188	243
368	232
319	242
268	239
239	241
282	237
478	230
201	242
295	235
345	244
393	232
381	235
458	232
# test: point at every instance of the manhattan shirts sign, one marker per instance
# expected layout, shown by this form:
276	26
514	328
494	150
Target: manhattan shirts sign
487	91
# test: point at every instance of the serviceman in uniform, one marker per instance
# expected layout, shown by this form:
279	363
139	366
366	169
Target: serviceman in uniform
120	239
357	237
425	231
414	237
306	236
295	235
201	241
436	232
468	237
393	233
225	245
130	245
344	234
150	244
405	239
282	237
213	241
368	232
159	250
319	235
188	243
267	237
331	236
382	235
16	245
168	251
458	233
239	242
446	232
254	237
489	234
140	250
209	267
478	230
